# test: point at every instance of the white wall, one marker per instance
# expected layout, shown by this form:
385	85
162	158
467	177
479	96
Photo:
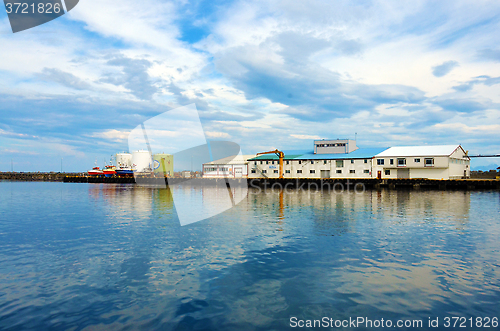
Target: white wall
230	173
359	167
443	168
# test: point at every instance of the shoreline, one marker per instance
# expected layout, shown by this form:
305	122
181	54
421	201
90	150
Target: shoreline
37	176
307	183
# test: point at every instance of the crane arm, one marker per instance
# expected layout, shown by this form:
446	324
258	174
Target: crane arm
280	155
277	152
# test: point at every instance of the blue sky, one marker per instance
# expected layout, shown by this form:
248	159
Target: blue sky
273	74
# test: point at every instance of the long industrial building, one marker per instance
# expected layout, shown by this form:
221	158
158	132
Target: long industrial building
341	158
229	167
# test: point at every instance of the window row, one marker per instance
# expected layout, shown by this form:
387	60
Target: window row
331	145
339	163
312	171
401	162
215	169
459	161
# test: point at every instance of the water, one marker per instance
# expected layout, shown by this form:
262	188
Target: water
114	257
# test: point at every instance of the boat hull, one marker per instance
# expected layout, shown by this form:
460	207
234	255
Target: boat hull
124	172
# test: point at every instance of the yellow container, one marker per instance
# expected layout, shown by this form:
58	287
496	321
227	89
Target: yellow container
163	164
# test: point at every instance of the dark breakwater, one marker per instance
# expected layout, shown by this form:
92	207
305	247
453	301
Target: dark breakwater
305	183
38	176
285	183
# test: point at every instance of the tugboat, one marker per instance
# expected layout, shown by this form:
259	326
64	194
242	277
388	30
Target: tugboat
124	171
96	171
109	170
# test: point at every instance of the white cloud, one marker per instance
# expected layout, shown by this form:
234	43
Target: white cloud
305	136
215	134
461	127
114	135
16	135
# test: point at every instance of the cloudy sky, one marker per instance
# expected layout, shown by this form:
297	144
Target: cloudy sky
273	74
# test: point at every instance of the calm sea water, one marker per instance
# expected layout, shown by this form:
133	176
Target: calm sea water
114	257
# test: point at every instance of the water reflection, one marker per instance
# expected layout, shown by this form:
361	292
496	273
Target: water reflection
116	257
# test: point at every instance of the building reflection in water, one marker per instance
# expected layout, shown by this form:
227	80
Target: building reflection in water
336	210
391	249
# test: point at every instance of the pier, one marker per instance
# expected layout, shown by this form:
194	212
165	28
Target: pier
307	183
276	183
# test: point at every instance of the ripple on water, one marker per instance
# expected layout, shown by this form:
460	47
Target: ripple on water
114	257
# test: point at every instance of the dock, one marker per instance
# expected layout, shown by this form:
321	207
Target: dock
307	183
332	184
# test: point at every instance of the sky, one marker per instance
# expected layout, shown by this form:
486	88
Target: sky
265	75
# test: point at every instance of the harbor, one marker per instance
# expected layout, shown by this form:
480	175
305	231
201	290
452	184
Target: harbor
332	164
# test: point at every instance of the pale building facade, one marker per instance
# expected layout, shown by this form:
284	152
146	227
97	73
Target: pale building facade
229	167
431	162
331	161
357	164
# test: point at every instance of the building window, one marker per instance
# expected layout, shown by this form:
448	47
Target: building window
340	163
380	161
260	162
300	162
366	161
352	161
253	171
387	172
417	160
352	171
287	162
324	161
312	171
267	162
312	162
429	162
299	171
401	162
264	171
391	161
339	171
255	162
287	171
272	162
275	171
366	171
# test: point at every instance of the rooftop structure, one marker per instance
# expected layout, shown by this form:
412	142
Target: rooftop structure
337	146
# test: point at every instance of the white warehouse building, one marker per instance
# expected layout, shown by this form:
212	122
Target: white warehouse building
229	167
432	162
341	158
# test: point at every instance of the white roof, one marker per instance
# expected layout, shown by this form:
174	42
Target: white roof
237	159
403	151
